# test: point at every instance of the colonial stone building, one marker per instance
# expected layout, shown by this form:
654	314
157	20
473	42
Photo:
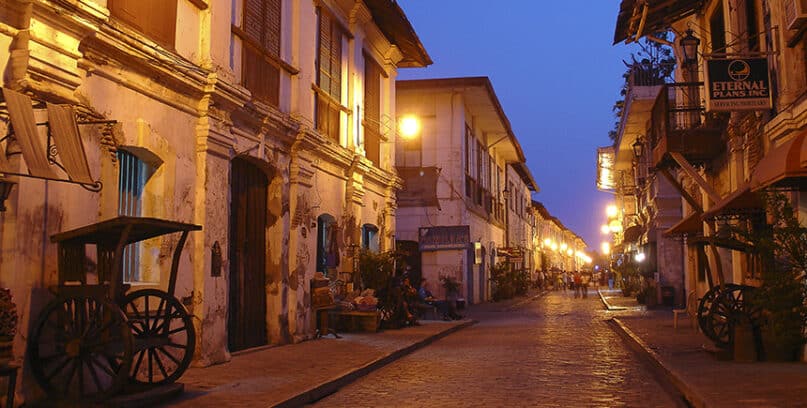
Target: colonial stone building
716	147
269	123
466	195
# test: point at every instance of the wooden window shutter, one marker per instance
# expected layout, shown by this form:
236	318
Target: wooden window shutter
330	55
372	110
155	18
261	26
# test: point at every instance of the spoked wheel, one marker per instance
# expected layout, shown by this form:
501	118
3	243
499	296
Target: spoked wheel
704	310
164	336
730	305
80	348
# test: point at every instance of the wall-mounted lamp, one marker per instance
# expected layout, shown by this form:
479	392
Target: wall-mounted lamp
689	45
409	126
5	191
638	147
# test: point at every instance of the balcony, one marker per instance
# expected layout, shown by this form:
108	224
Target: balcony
679	124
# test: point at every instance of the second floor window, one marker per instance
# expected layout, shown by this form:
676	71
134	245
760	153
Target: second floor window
260	34
329	75
156	19
372	110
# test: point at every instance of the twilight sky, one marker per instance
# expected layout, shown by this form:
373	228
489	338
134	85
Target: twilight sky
557	76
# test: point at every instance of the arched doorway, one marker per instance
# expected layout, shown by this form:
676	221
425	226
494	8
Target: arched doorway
246	324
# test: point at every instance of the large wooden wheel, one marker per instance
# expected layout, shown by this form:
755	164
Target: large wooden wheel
80	348
164	337
704	310
727	308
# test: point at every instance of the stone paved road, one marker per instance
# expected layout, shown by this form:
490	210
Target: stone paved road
554	351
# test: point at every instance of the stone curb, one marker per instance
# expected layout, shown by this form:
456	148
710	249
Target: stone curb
329	387
640	348
608	305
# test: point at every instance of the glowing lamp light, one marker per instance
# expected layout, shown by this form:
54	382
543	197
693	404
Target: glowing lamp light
554	246
409	127
563	246
639	257
606	248
611	211
605	229
547	242
569	252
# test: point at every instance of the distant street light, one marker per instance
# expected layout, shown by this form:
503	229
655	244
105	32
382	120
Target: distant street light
606	248
605	229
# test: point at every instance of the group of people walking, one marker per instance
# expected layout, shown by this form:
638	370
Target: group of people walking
576	281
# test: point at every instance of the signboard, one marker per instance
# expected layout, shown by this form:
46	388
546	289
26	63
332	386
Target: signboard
439	238
514	255
737	84
605	168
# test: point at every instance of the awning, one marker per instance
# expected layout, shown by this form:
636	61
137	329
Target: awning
640	17
689	225
741	201
63	141
420	186
21	111
68	142
785	166
632	233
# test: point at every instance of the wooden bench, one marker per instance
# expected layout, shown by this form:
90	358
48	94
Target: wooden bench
356	320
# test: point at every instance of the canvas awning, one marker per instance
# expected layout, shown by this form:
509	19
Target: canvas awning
785	166
742	200
689	225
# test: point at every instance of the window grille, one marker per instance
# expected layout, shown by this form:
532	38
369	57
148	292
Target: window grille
131	183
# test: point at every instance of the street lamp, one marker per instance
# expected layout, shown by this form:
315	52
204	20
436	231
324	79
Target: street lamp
409	126
611	211
638	148
606	248
605	230
689	45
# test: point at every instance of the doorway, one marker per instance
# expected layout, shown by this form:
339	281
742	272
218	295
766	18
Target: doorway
246	324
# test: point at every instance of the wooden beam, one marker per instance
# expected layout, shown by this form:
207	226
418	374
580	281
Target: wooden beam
689	170
691	200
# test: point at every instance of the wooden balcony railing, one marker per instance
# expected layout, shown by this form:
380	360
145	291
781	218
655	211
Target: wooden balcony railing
679	124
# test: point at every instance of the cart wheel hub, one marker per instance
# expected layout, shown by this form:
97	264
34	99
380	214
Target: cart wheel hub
73	348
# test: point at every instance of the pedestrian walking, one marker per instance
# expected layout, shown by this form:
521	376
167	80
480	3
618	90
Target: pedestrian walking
610	280
565	281
577	283
585	279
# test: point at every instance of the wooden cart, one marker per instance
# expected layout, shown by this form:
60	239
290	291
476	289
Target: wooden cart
725	304
93	339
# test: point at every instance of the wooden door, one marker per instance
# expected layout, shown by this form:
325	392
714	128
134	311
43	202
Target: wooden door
247	312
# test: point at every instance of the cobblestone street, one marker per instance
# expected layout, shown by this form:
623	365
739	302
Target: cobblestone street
553	351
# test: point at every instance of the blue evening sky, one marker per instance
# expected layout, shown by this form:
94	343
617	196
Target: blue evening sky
557	76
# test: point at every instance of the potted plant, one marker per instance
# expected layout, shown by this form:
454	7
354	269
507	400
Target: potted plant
8	325
781	246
